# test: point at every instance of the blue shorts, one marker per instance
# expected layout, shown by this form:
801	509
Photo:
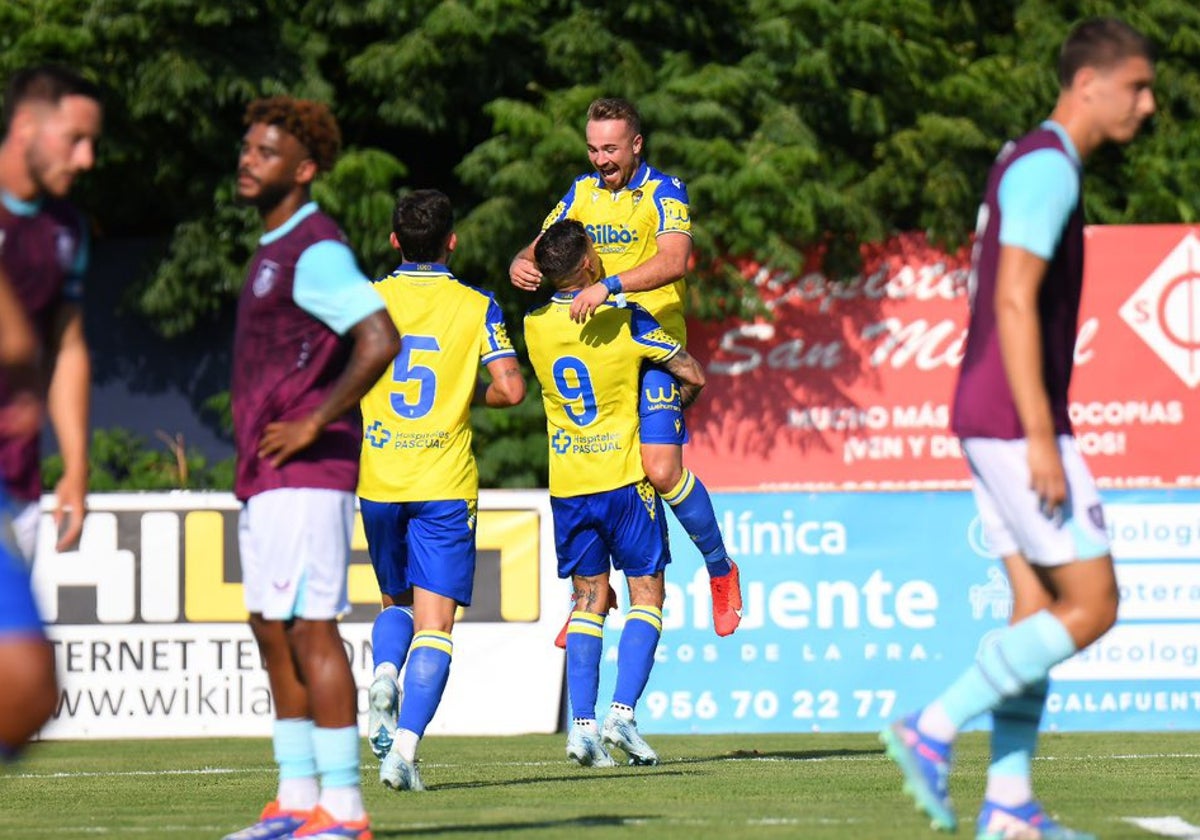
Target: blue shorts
626	524
425	544
18	610
660	407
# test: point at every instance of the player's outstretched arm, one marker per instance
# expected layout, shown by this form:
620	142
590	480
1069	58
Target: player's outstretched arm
523	272
376	344
507	387
666	266
684	367
663	268
1019	276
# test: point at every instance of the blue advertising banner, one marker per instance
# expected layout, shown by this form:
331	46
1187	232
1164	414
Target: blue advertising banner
861	606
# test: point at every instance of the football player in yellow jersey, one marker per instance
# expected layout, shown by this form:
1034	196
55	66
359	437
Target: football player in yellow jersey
418	483
603	505
639	222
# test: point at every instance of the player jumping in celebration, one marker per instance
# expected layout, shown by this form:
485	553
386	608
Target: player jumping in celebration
639	223
419	485
312	336
1036	498
53	119
603	505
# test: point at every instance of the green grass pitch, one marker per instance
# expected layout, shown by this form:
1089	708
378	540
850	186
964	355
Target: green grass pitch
727	786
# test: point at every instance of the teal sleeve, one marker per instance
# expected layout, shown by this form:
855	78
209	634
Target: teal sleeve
1037	196
73	287
330	287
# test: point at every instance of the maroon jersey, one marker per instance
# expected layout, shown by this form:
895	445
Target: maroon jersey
43	249
983	402
285	361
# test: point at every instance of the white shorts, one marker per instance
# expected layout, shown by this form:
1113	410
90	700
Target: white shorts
295	546
1011	513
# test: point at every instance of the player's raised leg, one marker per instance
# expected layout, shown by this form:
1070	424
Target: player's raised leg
662	433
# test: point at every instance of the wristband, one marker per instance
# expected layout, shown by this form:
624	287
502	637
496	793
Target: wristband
613	284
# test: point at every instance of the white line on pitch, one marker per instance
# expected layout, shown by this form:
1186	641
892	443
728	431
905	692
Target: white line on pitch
206	771
1167	827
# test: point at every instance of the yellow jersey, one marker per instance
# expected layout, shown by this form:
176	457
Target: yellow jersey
417	417
589	377
625	225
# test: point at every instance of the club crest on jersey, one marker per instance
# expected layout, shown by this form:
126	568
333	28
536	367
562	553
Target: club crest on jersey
264	281
64	248
648	496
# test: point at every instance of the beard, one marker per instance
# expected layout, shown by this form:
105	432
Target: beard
39	172
267	198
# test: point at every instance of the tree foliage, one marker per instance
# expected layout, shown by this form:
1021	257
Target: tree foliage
121	460
797	124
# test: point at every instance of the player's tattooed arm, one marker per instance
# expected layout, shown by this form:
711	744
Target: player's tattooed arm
507	387
684	367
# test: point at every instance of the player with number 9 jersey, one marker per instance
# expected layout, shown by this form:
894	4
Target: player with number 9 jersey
589	375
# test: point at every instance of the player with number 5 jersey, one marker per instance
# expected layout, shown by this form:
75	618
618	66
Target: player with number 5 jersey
418	483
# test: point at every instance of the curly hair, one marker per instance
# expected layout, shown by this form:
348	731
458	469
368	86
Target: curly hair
308	121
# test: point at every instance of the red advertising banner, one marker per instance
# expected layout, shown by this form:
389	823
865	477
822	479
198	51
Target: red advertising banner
847	386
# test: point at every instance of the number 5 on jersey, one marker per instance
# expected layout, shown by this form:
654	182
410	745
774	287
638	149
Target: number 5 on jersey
414	377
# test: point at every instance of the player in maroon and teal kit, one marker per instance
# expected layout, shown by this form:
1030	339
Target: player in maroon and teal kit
312	337
1037	501
53	119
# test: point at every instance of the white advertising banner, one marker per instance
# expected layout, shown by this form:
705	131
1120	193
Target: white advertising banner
148	623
